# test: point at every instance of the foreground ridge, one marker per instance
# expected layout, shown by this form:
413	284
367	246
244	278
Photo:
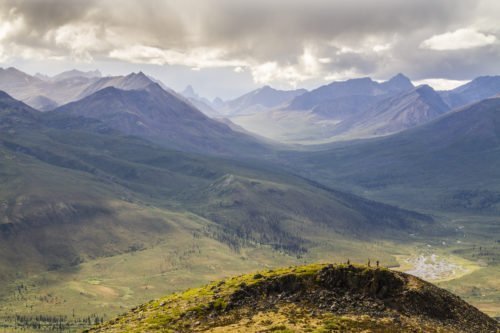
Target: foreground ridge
314	298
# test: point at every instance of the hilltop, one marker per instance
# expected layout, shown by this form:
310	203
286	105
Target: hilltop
313	298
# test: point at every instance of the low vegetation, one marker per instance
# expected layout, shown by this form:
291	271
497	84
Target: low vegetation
313	298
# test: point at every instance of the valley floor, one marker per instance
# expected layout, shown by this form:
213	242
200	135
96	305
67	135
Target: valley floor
99	289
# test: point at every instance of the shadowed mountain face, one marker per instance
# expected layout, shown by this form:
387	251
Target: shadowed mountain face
396	113
449	158
14	113
258	100
474	91
161	116
314	298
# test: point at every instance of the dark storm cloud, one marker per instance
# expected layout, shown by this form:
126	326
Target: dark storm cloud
43	15
231	21
290	39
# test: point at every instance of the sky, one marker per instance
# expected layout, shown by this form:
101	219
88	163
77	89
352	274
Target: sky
228	47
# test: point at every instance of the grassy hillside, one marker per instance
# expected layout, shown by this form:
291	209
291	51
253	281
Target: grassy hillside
315	298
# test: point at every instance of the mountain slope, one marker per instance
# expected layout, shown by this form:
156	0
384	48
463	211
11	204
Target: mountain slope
474	91
315	298
396	113
161	116
450	159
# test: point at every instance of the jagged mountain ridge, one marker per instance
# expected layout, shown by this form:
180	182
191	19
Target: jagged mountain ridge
153	113
353	109
396	113
258	100
43	92
201	103
350	88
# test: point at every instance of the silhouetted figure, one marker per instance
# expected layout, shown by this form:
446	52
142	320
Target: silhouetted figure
378	263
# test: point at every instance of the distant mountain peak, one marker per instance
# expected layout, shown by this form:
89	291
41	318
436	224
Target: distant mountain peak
261	99
218	102
13	69
400	76
189	92
139	79
75	73
424	88
399	82
480	88
139	74
267	87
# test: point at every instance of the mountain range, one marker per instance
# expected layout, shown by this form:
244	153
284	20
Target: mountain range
45	93
151	112
361	108
136	105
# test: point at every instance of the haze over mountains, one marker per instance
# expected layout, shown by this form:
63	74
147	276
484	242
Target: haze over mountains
264	98
361	108
356	108
201	103
134	104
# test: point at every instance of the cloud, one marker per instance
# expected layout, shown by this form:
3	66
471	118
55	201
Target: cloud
280	42
458	39
196	58
441	84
